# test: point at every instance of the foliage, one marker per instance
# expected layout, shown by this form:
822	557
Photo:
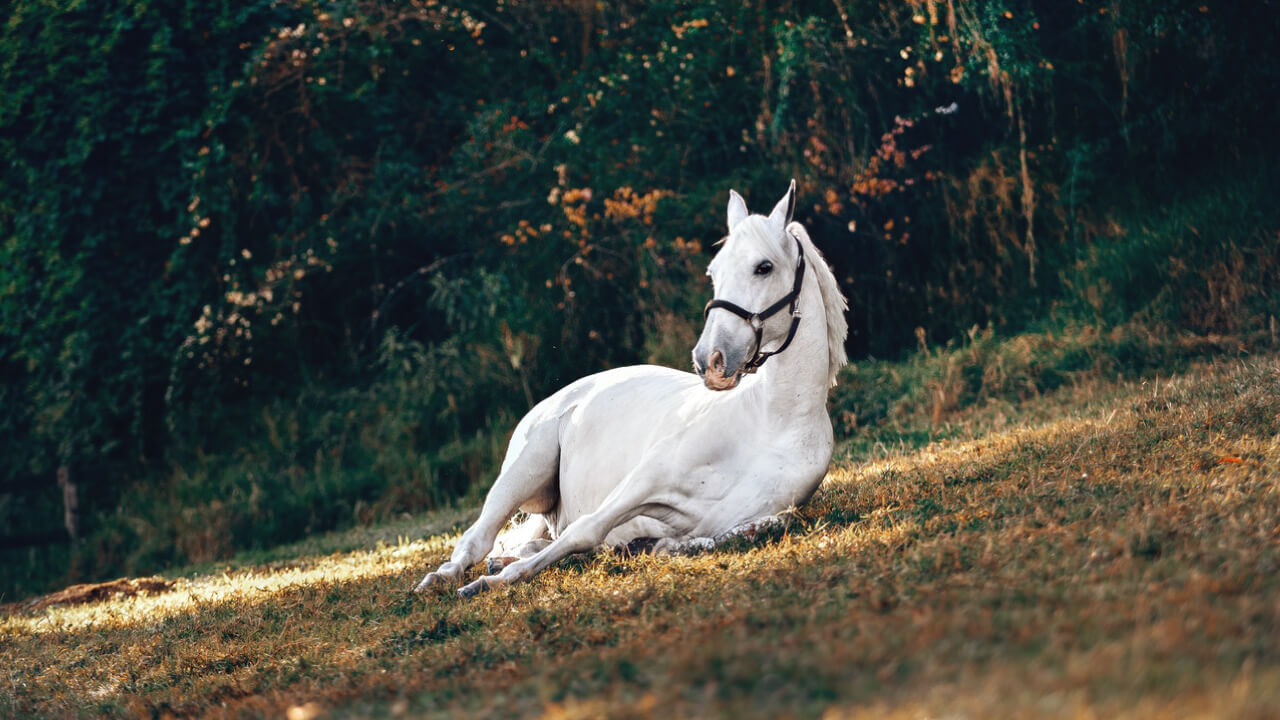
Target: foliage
284	266
1103	550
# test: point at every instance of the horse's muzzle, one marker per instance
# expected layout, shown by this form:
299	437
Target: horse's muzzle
716	376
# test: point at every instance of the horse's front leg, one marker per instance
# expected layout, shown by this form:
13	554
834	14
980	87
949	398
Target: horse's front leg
529	473
586	533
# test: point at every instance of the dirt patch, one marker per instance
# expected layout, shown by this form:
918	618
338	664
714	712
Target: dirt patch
95	592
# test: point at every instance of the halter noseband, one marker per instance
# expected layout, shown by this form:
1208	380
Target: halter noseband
756	320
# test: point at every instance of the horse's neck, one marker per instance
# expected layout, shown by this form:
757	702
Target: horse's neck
794	382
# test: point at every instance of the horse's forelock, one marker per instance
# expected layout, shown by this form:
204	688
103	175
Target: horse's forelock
756	231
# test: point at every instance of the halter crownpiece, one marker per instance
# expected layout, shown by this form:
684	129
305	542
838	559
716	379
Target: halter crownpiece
756	320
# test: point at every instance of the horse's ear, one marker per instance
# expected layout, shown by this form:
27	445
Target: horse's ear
783	211
737	209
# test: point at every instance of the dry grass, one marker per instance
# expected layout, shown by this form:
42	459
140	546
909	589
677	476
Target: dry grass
1106	550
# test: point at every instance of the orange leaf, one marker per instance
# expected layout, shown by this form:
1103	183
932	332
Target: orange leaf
1230	459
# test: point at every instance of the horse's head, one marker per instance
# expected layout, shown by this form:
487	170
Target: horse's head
756	271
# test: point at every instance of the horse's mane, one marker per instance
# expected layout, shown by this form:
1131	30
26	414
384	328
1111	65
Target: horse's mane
832	299
757	226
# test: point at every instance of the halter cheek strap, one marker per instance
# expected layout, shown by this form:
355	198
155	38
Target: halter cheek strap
756	320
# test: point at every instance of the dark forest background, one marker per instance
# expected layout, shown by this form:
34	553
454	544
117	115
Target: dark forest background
269	268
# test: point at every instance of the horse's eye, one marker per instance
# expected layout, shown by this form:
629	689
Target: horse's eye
764	268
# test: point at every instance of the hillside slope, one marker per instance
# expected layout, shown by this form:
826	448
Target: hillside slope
1108	548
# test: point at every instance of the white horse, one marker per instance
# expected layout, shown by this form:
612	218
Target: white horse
650	452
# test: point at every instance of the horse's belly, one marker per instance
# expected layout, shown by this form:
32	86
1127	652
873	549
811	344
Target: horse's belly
641	527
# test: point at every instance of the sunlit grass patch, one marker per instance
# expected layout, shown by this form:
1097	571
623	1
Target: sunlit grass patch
239	587
1110	549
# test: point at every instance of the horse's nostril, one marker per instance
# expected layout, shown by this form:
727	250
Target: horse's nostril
716	362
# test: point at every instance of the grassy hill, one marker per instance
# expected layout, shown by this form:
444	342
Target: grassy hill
988	544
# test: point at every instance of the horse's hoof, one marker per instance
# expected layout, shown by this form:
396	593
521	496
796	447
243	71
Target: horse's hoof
473	589
432	581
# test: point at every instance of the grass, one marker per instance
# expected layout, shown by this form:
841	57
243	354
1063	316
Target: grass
1100	548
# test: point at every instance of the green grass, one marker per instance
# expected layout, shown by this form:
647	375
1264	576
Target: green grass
1104	547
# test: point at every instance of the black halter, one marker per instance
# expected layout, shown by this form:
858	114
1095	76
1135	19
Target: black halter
756	320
